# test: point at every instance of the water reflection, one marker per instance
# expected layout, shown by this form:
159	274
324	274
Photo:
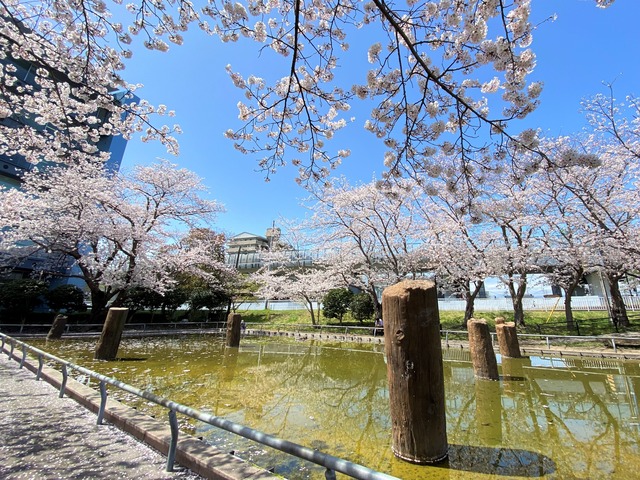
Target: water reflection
508	462
546	417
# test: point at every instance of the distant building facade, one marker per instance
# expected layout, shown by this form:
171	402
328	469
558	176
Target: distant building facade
245	251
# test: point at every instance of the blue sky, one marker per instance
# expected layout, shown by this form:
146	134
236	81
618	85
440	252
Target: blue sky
583	48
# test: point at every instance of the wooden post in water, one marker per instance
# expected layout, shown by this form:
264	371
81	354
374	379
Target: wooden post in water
107	347
414	371
507	338
57	329
482	355
233	329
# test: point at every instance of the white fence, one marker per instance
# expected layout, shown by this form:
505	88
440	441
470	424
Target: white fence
588	303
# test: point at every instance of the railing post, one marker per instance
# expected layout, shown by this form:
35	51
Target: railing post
548	343
63	385
103	401
40	364
613	343
13	345
329	474
171	454
24	355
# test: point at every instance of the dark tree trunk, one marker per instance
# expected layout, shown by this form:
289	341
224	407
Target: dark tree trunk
574	274
517	294
309	304
518	312
470	295
99	310
377	306
568	312
468	312
618	308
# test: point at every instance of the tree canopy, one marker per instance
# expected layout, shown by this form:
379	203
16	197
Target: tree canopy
112	230
446	76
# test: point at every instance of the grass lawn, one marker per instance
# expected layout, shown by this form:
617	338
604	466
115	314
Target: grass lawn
589	323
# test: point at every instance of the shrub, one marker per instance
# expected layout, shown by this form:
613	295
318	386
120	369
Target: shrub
19	297
336	303
362	307
66	297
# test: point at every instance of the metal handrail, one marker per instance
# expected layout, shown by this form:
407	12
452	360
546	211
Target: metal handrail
547	338
139	326
258	327
331	463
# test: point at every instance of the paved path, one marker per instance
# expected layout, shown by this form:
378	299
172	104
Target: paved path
44	437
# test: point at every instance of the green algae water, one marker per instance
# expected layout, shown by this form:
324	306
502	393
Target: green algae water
565	418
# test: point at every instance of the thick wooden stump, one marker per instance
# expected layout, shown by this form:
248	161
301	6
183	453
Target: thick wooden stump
508	340
414	371
57	329
482	355
107	347
233	329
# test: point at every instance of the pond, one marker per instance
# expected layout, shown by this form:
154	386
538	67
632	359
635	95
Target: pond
546	417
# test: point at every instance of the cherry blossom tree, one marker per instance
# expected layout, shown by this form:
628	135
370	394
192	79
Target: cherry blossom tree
369	234
111	230
510	205
445	75
567	255
289	274
458	240
618	126
603	204
436	70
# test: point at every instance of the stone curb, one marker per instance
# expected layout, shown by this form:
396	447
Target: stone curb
192	453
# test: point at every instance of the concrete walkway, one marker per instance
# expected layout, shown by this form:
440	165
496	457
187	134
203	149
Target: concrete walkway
46	437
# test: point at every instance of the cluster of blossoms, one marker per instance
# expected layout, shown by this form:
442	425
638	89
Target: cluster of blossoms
428	79
61	89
